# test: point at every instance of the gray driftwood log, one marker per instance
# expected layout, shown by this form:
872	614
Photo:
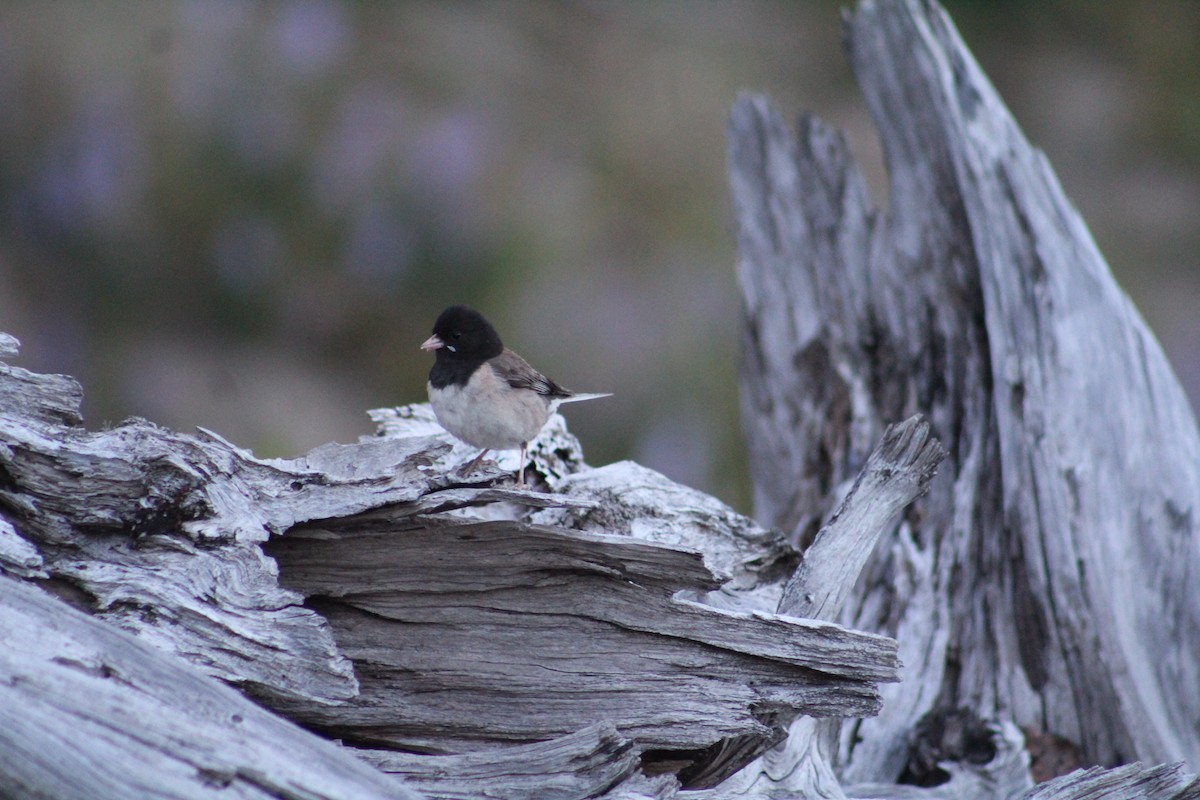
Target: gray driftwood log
1046	584
612	635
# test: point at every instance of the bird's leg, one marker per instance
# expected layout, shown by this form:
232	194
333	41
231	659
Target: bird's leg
521	471
470	467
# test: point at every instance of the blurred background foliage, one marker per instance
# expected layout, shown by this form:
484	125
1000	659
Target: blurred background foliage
246	216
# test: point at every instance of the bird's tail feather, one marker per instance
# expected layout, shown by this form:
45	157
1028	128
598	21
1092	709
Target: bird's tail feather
575	398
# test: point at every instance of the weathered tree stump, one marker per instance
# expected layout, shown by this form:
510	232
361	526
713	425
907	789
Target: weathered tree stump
1045	580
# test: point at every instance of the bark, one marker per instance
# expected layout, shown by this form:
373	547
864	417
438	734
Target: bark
90	711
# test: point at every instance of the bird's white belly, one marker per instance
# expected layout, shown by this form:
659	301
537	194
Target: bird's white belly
488	413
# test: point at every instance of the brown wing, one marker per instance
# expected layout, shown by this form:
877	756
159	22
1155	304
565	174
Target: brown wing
516	370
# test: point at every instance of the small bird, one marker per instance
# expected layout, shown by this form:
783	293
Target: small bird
484	393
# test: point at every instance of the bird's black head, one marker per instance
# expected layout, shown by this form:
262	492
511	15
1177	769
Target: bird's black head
462	334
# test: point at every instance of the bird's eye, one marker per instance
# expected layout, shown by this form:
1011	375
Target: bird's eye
456	335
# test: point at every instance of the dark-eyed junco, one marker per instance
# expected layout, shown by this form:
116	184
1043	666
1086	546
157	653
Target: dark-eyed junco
484	393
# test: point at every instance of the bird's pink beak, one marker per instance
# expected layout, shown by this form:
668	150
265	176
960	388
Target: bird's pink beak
433	343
